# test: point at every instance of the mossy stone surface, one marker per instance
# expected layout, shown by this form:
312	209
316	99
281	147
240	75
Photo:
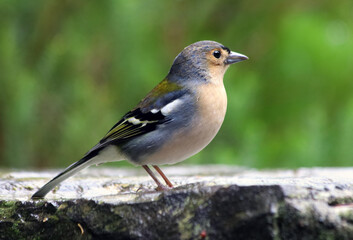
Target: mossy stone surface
211	202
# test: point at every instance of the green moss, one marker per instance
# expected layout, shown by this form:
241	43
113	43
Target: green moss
62	206
7	209
55	189
340	201
39	202
53	218
347	215
30	188
15	229
187	226
7	204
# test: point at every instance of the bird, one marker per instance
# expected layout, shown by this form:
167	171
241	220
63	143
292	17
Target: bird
176	119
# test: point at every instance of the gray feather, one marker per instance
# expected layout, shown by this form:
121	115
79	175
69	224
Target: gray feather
68	172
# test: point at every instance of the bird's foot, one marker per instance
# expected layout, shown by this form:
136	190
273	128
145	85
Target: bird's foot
162	188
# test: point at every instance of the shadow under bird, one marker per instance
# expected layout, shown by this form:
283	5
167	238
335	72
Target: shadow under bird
176	120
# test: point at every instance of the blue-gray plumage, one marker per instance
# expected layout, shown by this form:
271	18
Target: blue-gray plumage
176	120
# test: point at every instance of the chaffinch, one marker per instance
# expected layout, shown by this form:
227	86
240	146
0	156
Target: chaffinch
176	120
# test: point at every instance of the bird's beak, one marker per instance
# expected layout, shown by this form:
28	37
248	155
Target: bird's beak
235	57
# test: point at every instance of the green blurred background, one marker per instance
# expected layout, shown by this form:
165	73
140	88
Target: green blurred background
70	69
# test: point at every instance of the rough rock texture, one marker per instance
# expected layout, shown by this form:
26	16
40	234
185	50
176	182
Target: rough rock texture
208	202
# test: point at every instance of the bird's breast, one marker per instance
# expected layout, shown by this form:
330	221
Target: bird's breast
207	120
212	106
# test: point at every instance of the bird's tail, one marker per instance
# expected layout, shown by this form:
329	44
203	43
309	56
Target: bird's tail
68	172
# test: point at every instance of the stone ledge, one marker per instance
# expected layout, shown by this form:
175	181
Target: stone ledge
209	202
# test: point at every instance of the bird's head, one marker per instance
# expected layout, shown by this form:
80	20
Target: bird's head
202	62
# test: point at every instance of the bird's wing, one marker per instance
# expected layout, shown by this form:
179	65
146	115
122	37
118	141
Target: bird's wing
134	123
146	117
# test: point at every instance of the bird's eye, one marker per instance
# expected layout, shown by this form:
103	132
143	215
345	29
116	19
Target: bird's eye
217	54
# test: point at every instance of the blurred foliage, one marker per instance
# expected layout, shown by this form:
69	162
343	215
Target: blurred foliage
70	69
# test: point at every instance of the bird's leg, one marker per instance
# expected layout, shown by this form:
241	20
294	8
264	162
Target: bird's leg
160	187
163	176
